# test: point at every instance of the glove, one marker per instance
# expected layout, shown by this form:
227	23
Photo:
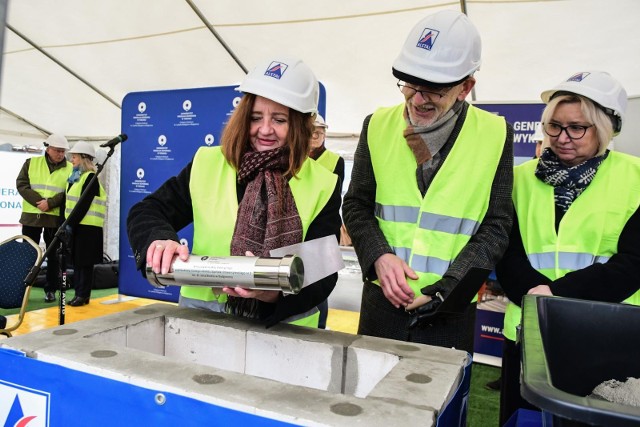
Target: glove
444	286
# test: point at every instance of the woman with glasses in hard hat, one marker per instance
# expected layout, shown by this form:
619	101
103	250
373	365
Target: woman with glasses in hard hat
86	219
577	226
258	191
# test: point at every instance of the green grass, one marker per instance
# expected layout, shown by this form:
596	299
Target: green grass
484	404
36	299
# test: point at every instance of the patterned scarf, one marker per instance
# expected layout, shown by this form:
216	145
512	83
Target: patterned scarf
568	182
267	215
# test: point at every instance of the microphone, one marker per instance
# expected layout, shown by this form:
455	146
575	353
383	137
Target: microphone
115	141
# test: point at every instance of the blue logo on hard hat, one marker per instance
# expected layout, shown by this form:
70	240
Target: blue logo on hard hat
578	77
427	38
276	69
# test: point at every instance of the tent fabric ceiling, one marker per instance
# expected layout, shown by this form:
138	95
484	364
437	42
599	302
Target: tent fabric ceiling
68	64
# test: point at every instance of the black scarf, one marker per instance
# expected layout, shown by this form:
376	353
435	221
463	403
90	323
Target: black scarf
568	182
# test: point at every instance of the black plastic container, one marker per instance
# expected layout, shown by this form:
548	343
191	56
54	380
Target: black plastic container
569	347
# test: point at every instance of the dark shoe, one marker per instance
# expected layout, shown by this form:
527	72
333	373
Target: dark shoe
49	297
78	301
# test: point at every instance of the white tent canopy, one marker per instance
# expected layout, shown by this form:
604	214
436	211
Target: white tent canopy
67	64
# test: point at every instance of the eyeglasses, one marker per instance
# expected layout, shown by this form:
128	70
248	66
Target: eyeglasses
316	134
573	131
424	92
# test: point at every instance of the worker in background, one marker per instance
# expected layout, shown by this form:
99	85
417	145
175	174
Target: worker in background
42	182
430	192
85	219
538	137
579	199
258	191
334	163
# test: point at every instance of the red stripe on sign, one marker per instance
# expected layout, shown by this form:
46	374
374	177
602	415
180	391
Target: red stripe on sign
491	337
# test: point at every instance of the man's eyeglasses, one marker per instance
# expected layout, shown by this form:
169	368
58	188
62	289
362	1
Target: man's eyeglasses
316	134
573	131
426	93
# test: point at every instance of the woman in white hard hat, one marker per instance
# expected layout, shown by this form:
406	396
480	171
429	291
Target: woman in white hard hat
579	199
256	192
86	219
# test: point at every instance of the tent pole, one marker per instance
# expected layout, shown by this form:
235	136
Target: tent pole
217	36
463	9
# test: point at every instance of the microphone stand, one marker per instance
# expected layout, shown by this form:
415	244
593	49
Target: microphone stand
61	239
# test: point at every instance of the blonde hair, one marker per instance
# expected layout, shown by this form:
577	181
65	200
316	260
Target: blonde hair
592	113
235	139
86	163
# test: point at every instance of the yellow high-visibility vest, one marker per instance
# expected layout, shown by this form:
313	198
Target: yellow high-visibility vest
429	232
46	183
215	207
98	208
589	230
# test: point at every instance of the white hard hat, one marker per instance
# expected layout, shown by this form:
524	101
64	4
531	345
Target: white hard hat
288	81
320	122
537	134
58	141
82	147
600	88
441	49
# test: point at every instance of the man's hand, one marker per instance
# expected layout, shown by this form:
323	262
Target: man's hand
43	205
442	288
392	273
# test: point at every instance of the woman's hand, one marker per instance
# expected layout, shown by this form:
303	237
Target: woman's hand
540	290
240	292
161	254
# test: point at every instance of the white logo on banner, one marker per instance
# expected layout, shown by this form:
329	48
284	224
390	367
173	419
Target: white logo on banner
142	107
22	406
162	140
140	173
236	101
208	139
184	242
186	105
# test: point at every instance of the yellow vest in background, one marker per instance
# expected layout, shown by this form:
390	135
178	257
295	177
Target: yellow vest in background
589	230
329	160
45	183
98	208
429	232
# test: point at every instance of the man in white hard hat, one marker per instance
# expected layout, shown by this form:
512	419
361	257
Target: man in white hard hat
430	194
42	182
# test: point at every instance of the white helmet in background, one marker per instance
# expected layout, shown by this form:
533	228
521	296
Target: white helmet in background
288	81
537	134
57	141
83	147
320	122
599	87
441	49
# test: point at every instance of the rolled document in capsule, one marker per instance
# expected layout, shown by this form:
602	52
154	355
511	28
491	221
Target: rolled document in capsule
284	274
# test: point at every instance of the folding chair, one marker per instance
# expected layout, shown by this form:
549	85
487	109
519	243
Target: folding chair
18	255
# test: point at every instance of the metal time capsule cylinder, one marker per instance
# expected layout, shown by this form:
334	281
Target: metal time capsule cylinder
284	274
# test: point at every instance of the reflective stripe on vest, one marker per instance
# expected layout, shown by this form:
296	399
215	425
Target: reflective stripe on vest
98	208
46	183
429	232
589	230
215	204
329	160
